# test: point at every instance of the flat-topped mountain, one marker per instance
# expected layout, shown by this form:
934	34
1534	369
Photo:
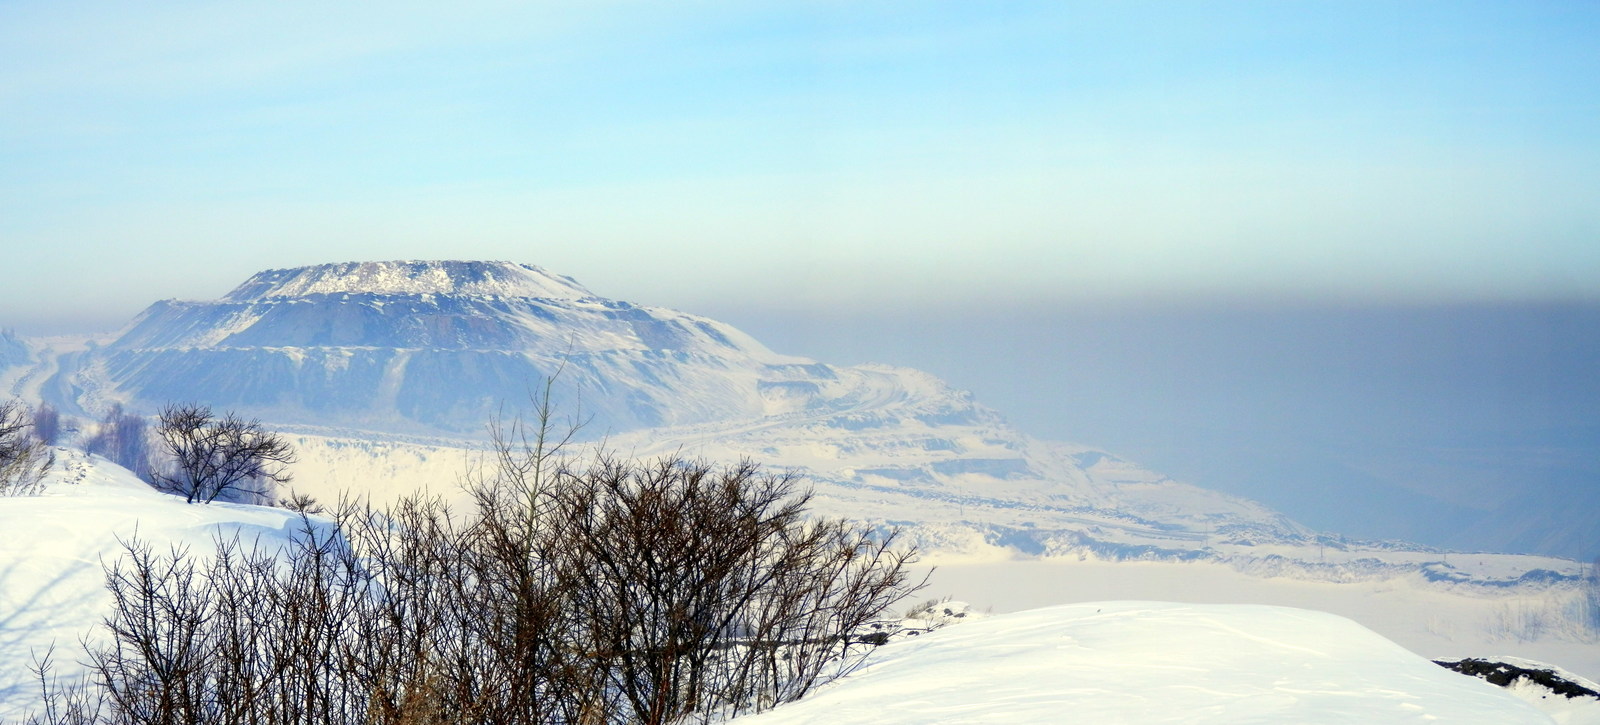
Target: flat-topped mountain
373	349
496	279
434	347
426	305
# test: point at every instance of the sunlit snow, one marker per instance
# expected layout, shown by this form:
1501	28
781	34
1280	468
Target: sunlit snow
1153	662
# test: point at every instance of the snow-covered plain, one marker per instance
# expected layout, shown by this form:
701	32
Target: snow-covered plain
1153	662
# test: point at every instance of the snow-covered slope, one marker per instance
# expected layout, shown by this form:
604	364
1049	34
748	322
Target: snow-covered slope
1105	662
1433	619
52	588
1153	662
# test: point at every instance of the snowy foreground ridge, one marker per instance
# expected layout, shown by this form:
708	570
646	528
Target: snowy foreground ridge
52	586
1154	662
1135	662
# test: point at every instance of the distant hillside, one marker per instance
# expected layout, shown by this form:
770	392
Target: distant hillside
13	351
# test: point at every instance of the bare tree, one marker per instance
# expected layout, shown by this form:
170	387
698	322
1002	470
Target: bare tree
124	438
229	457
24	460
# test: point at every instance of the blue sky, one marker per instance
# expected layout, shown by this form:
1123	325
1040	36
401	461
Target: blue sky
1290	249
837	153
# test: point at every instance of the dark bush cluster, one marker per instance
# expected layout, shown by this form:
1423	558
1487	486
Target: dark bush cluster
607	592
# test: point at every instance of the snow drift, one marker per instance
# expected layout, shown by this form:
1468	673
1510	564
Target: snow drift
1154	662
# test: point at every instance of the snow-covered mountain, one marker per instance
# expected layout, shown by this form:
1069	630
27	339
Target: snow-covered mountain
428	347
372	350
353	355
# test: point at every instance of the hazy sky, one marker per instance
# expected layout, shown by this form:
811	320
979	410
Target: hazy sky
807	154
1341	244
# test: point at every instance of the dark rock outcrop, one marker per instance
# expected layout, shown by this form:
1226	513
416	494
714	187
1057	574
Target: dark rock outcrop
1506	674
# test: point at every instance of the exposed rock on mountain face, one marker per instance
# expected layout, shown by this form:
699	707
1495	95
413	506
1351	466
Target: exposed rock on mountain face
484	279
436	346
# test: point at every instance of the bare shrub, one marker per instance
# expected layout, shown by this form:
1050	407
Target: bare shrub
71	702
609	592
24	460
702	589
301	503
228	458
